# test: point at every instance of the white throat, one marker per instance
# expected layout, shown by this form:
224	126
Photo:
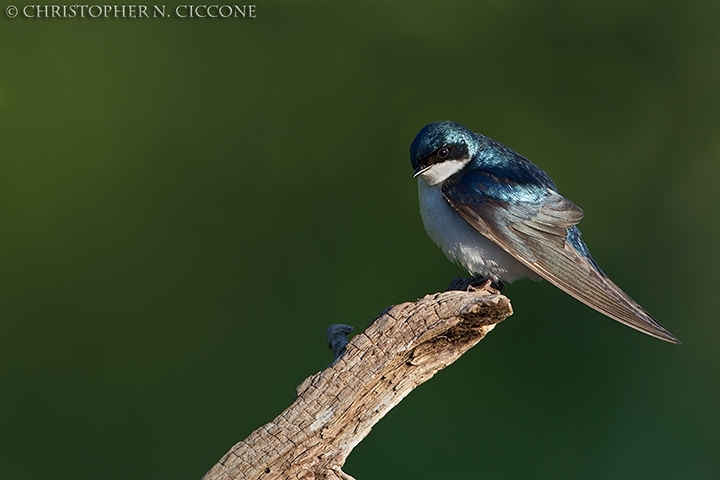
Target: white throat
440	172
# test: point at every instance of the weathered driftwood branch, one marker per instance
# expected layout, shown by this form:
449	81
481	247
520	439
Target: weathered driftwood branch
336	408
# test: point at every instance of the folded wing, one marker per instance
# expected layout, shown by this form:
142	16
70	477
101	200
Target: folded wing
542	235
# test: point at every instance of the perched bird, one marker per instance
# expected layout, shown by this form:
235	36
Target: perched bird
500	217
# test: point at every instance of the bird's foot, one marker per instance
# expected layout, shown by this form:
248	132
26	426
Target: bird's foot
474	284
492	286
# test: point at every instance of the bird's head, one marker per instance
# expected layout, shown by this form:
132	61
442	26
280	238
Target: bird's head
440	150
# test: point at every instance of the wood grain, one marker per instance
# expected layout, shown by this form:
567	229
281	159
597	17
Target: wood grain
337	407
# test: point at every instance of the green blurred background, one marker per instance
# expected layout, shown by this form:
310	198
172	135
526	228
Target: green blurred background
187	204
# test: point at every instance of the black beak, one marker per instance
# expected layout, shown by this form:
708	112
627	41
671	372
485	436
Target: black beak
420	169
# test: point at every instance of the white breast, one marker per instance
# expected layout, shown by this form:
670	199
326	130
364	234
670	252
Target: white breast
461	243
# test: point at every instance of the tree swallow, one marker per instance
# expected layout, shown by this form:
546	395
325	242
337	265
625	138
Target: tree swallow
499	216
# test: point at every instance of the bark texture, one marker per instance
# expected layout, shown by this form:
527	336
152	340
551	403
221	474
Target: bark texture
337	407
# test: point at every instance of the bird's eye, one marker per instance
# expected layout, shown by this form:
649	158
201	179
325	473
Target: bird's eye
443	152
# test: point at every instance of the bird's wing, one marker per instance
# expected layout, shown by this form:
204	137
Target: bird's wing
536	233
